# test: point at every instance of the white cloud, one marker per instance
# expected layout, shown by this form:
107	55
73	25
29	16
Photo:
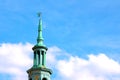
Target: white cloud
104	63
15	59
97	67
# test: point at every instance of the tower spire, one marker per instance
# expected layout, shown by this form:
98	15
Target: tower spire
40	37
39	71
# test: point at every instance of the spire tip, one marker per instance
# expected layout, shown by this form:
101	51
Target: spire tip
39	14
40	37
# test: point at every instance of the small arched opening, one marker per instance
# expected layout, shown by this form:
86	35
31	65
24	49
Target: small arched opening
42	57
44	79
38	53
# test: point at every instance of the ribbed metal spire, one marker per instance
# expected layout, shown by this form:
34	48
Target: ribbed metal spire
40	37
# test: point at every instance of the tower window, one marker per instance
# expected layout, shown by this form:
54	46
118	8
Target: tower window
42	57
38	52
44	79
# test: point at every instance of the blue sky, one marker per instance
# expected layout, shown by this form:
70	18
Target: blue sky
74	27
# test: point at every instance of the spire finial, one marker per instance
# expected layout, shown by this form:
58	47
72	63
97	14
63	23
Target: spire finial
39	14
40	37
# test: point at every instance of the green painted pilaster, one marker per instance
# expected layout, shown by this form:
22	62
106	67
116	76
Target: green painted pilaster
44	64
36	59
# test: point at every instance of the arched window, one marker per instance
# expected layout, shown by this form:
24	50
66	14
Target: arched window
44	79
35	63
43	56
38	52
34	55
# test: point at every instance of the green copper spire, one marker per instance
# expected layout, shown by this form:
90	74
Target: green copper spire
39	71
40	37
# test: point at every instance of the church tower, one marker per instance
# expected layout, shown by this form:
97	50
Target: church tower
39	71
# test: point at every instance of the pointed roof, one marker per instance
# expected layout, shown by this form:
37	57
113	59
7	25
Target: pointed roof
40	37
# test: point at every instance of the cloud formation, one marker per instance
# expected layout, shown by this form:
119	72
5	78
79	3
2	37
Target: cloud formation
15	59
97	67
